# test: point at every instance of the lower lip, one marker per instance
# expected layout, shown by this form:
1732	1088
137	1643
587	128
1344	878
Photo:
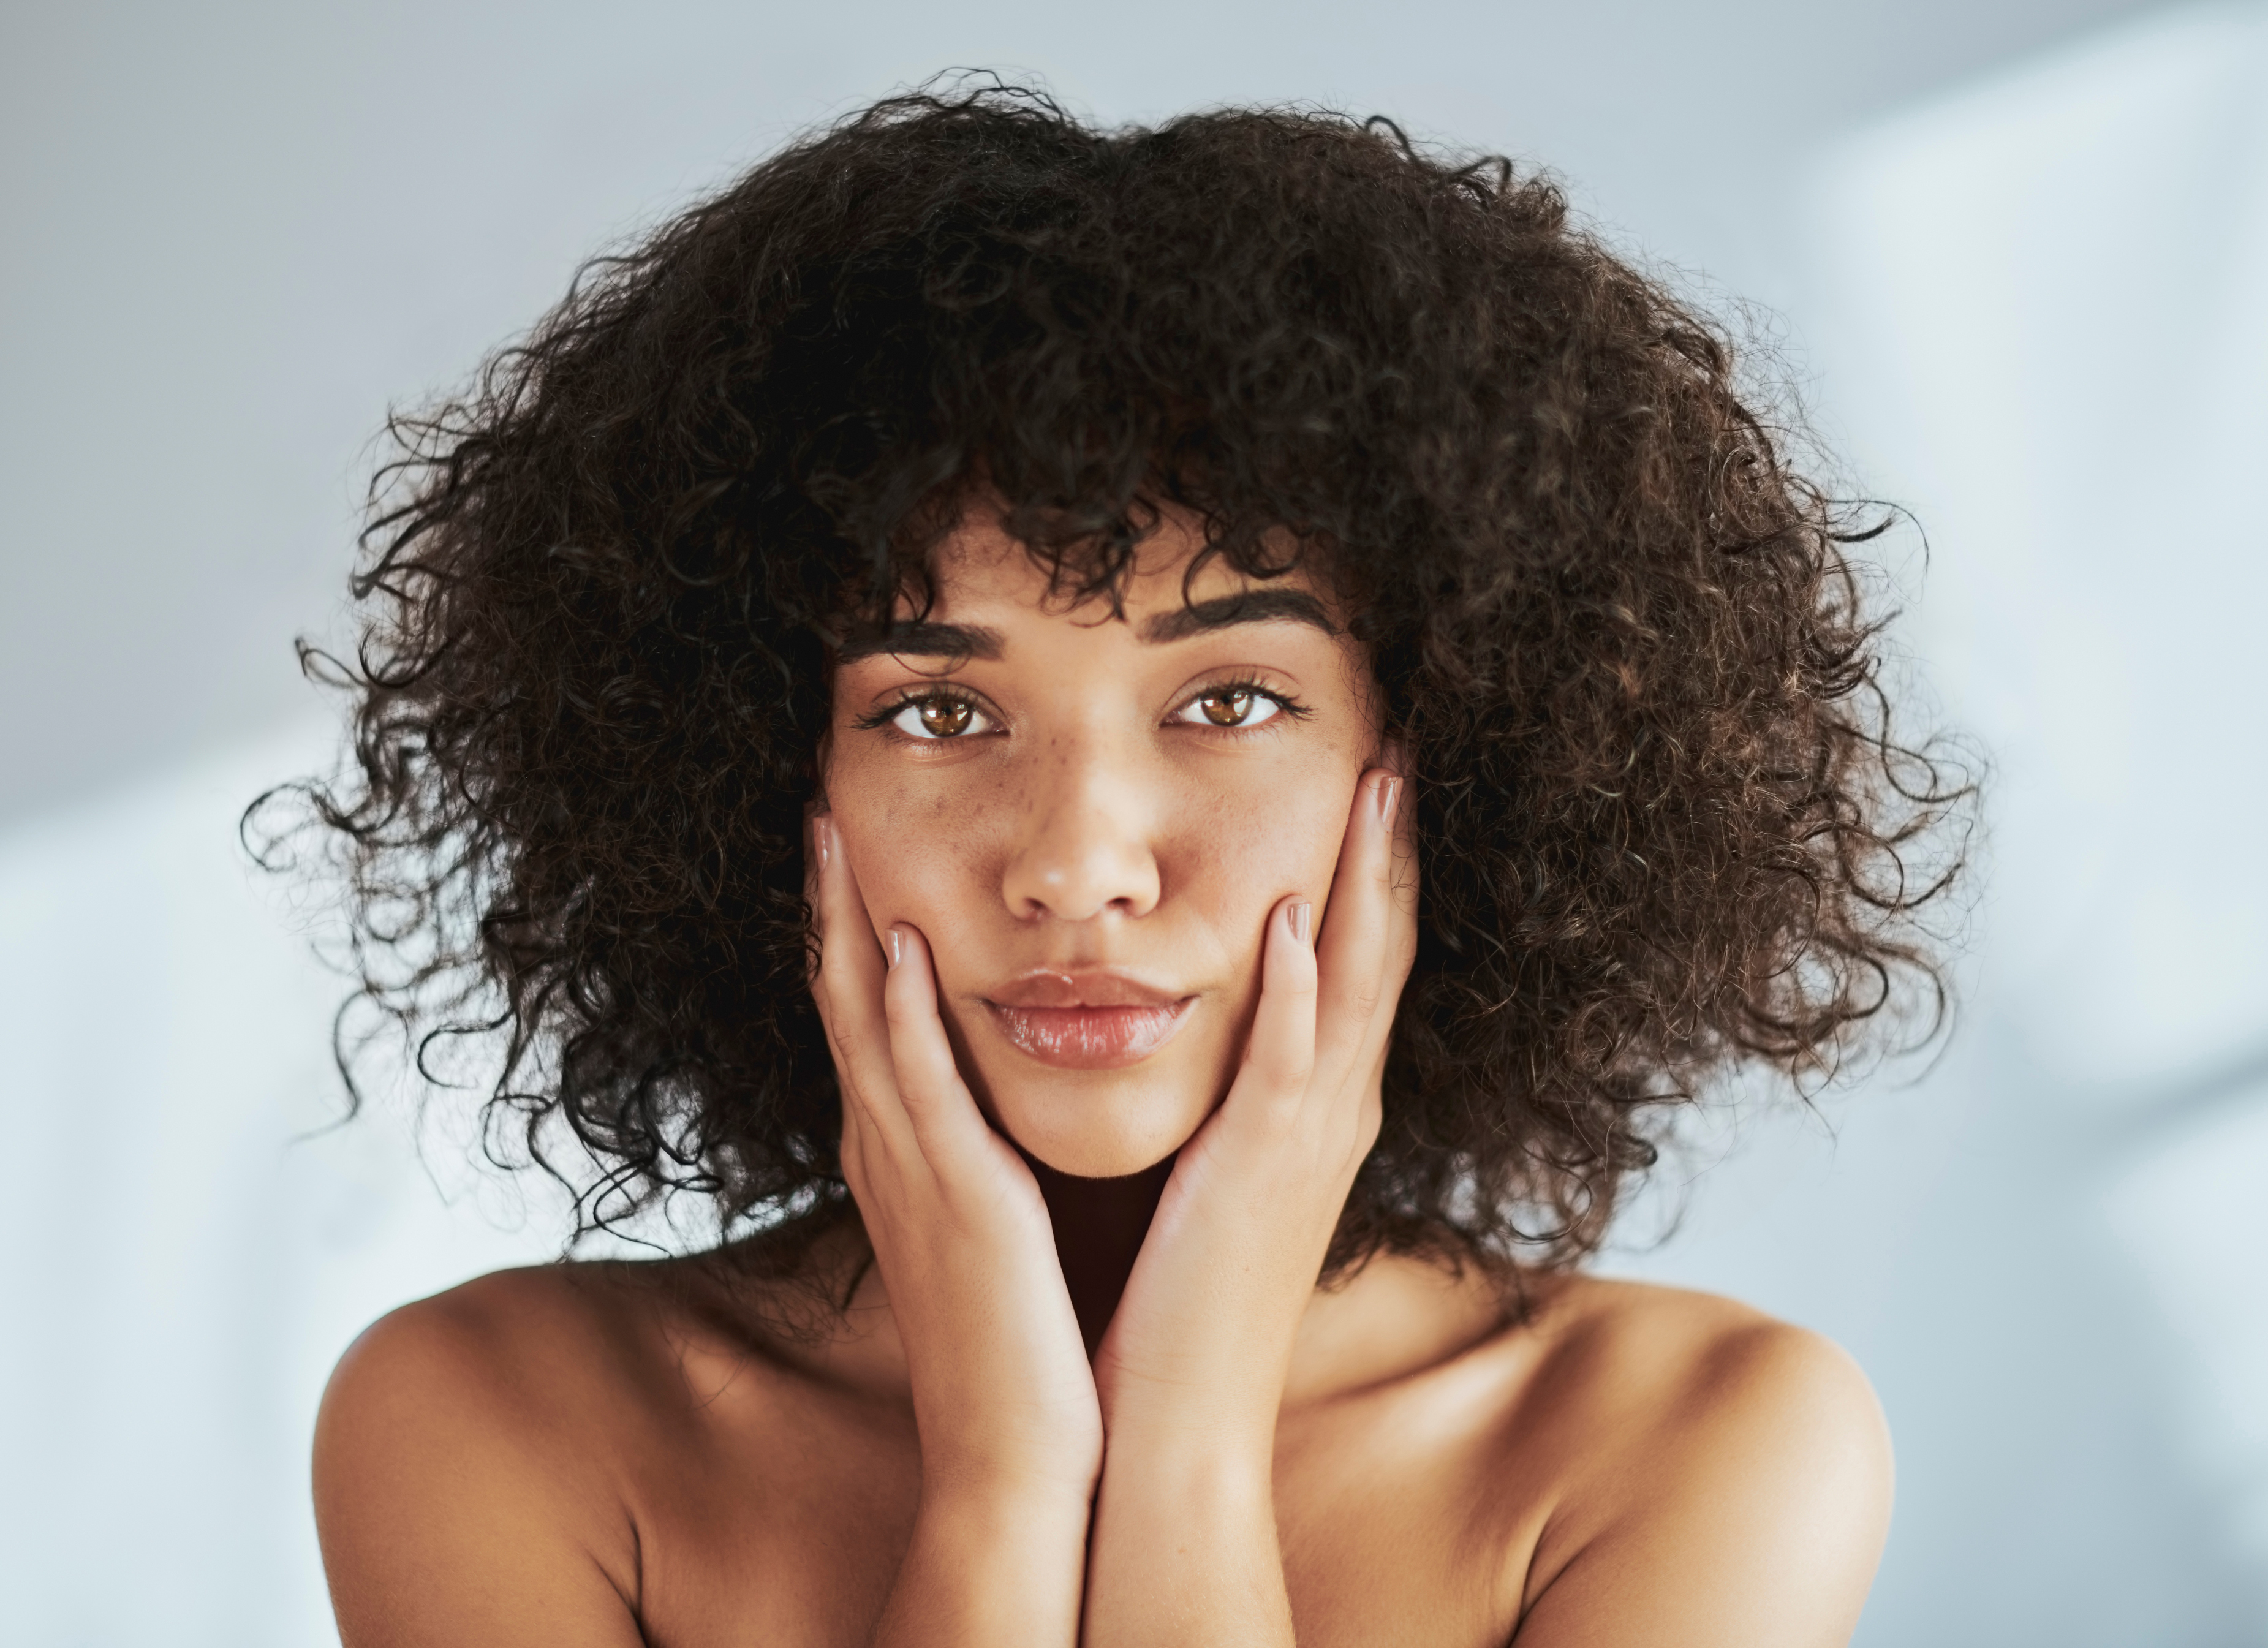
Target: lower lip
1090	1038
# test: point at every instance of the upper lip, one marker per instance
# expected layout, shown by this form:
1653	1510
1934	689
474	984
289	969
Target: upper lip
1045	987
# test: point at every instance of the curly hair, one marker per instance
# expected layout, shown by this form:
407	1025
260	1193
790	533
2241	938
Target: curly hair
1663	828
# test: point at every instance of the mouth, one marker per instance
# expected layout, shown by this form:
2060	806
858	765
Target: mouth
1090	1021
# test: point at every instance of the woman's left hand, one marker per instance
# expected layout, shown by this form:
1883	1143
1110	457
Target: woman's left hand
1194	1363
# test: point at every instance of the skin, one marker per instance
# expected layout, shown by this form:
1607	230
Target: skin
1087	1391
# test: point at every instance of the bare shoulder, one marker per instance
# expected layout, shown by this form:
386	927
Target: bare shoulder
462	1455
1728	1478
1678	1360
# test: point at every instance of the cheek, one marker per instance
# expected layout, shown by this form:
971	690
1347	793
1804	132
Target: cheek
916	848
1252	845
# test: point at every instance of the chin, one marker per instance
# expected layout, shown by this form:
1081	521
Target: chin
1088	1104
1097	1126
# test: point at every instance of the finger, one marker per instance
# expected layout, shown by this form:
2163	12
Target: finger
1279	1055
817	844
853	1153
943	1111
1358	952
1400	950
1401	947
1402	877
850	989
850	963
841	906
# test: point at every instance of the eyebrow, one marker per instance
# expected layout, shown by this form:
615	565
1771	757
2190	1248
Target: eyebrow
959	641
1263	606
925	640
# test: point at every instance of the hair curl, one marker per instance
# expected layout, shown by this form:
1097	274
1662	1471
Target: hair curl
1662	826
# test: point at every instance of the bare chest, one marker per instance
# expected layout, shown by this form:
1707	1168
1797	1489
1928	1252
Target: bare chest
781	1514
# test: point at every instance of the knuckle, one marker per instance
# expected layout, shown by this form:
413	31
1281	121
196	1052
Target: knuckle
1288	1075
901	1008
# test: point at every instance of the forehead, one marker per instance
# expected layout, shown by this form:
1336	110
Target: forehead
986	588
979	566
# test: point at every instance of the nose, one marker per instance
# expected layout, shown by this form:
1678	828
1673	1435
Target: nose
1083	846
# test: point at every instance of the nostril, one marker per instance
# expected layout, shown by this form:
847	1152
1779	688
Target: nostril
1117	875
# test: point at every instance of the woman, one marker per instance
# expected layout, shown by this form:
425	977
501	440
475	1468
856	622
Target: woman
918	706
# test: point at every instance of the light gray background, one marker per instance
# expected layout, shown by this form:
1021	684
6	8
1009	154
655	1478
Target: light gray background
234	231
2017	252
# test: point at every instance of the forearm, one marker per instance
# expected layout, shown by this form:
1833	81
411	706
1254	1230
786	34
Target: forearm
1184	1550
989	1568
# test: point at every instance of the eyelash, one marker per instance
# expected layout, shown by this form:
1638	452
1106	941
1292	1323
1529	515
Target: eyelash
1283	701
891	711
881	719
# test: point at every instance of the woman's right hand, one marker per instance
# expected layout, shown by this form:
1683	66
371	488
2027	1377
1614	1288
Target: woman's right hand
1003	1398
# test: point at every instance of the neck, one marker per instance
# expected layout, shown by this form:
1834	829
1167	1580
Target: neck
1099	1226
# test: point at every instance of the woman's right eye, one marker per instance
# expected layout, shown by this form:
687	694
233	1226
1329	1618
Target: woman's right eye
935	719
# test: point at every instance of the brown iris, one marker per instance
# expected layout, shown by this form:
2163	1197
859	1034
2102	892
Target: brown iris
945	718
1228	708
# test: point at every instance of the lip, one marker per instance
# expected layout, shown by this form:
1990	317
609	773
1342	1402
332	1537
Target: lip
1089	987
1088	1020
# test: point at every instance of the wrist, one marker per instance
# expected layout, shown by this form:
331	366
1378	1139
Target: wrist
1193	1518
1024	1460
980	1491
992	1562
966	1520
1188	1427
1198	1469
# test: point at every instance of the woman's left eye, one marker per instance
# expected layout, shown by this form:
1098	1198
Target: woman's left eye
935	719
1238	707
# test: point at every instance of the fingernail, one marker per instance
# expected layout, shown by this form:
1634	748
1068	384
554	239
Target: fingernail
822	837
1300	915
1390	794
896	945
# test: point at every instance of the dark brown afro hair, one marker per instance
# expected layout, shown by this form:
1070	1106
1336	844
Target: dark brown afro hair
1663	827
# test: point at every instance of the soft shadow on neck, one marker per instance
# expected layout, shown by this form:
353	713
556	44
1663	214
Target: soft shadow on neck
1098	1224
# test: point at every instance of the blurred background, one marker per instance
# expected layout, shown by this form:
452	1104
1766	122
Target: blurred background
2013	252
